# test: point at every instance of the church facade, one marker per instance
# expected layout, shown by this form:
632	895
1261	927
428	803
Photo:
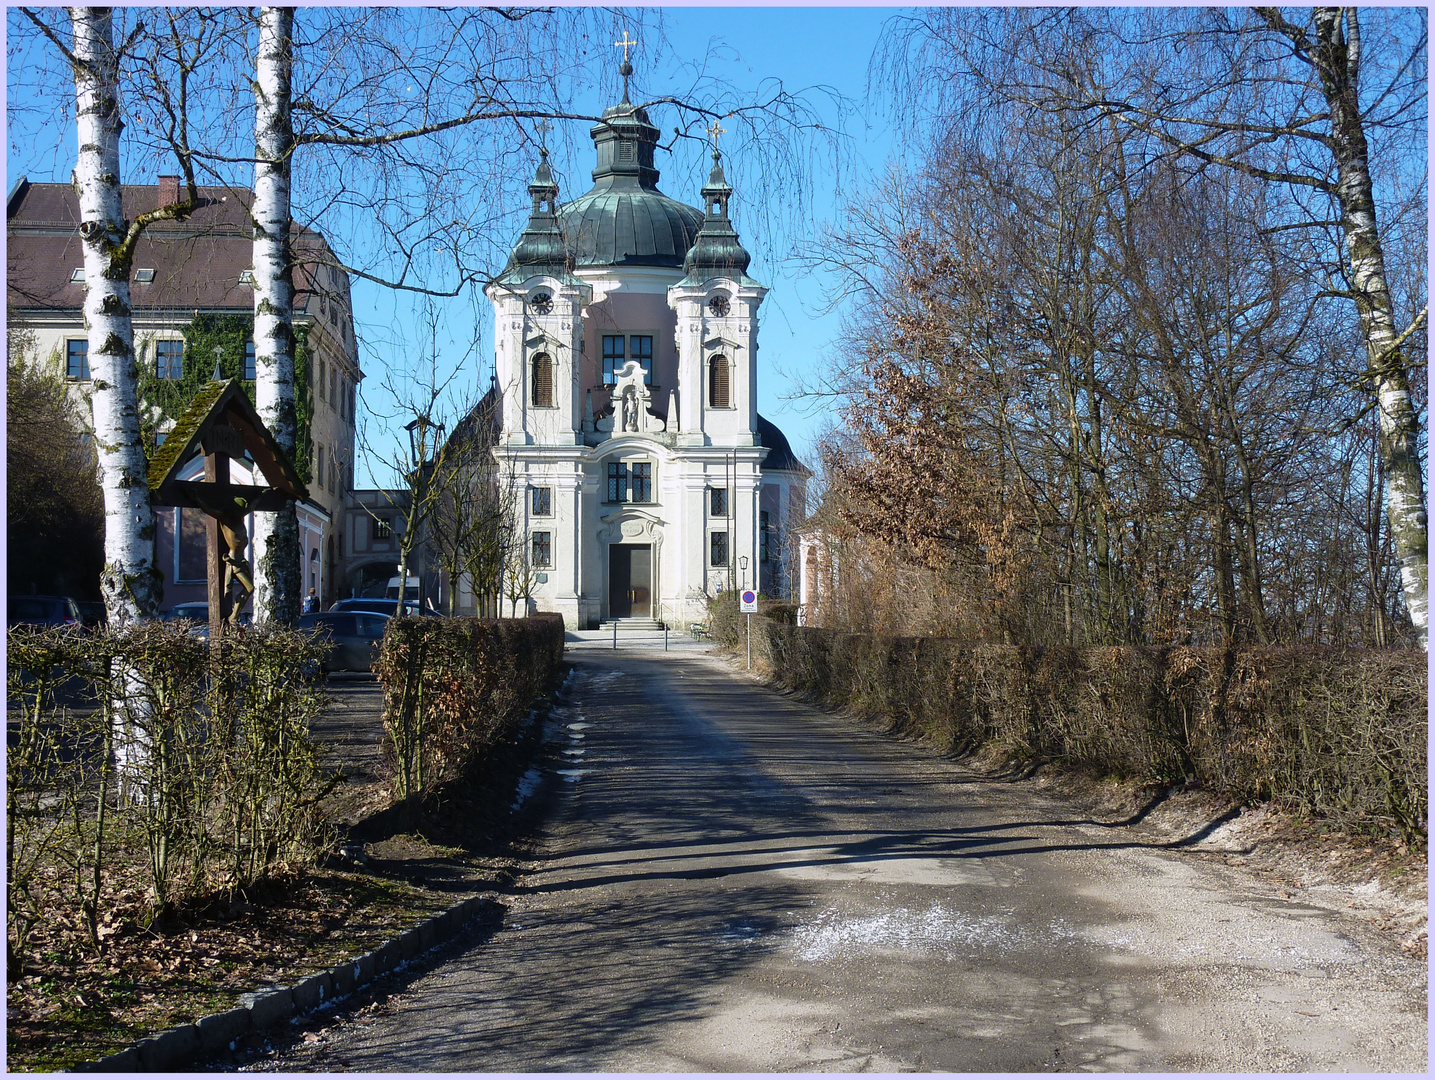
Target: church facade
626	339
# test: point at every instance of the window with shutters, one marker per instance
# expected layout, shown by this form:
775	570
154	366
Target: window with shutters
719	389
543	381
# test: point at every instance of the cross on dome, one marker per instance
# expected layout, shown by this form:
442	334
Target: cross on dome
625	69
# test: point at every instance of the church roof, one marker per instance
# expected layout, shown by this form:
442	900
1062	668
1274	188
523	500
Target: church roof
779	450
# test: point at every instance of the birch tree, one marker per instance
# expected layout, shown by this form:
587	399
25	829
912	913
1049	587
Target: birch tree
130	582
278	576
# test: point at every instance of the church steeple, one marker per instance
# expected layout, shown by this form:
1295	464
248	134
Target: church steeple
716	250
541	244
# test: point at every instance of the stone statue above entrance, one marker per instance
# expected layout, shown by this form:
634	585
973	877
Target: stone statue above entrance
632	404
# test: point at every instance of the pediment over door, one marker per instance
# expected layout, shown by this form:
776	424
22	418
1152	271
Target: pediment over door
631	527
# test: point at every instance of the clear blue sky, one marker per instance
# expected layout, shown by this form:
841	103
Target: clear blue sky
802	47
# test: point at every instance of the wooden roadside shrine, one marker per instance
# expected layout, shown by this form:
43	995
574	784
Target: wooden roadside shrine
222	424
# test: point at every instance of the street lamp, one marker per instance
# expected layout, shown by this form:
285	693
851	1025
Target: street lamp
742	565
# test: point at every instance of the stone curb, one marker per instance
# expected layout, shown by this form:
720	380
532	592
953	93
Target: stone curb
177	1048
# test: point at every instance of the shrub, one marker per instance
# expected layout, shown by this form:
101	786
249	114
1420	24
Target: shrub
1337	733
453	687
143	760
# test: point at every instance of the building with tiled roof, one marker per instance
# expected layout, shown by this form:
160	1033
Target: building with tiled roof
184	270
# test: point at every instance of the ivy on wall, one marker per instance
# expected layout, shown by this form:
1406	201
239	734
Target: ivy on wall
164	399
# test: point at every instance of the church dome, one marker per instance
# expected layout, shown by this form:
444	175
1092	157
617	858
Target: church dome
624	220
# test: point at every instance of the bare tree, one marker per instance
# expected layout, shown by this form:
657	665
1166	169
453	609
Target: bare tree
1299	101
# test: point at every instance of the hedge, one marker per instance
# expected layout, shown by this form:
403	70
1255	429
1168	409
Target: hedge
145	768
1338	733
454	687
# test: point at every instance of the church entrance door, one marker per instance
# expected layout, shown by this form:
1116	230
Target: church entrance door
630	581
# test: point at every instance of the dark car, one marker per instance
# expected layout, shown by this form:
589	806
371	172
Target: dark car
92	614
383	607
41	611
354	635
198	611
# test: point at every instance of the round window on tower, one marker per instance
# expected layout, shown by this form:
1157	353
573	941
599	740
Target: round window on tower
719	306
542	303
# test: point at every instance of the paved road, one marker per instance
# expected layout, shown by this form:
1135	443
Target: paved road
734	881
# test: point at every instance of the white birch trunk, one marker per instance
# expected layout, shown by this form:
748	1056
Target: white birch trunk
278	582
130	582
1339	67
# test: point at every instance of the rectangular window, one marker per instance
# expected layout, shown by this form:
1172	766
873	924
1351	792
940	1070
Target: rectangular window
169	359
319	472
333	391
249	363
717	549
542	501
383	531
614	357
640	348
323	377
542	549
763	528
77	359
617	481
717	502
642	481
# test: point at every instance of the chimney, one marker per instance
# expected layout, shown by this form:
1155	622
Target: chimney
168	190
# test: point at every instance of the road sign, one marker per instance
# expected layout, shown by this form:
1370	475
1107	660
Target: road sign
749	600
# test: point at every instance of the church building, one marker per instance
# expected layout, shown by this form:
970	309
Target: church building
626	341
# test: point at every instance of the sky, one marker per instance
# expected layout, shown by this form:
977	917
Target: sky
800	46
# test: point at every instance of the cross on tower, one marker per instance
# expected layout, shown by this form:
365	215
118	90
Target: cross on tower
625	69
625	45
543	127
715	130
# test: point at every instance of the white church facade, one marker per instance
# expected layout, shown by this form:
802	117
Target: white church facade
626	341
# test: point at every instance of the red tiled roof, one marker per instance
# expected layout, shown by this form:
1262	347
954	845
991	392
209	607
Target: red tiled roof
197	262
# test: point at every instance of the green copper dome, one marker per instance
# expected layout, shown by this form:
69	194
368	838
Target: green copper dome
625	220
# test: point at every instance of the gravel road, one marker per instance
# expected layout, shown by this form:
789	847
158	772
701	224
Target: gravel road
734	881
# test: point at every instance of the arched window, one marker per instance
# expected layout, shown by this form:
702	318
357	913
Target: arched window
543	381
719	383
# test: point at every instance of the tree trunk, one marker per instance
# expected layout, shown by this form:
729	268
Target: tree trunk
278	584
130	582
1337	60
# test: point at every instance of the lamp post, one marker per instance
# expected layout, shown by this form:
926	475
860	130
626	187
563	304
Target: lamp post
419	429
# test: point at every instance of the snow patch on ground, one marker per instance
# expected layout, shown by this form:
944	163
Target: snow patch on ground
834	936
527	785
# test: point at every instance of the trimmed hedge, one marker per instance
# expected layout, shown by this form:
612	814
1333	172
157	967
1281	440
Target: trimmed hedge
454	687
1338	733
144	763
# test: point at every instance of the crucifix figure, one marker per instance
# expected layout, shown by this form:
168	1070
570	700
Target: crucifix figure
236	567
625	69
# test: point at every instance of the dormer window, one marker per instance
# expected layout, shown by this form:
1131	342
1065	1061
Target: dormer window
246	277
77	275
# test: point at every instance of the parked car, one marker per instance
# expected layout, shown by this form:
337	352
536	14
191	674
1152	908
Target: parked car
92	614
41	611
383	607
354	635
198	611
